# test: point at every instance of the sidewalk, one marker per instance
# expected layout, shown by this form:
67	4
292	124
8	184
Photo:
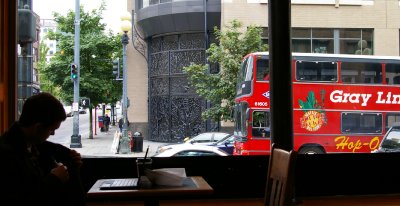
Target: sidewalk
101	145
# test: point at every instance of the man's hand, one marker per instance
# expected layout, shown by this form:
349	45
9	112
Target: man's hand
76	158
61	172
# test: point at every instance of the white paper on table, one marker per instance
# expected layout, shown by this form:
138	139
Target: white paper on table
167	176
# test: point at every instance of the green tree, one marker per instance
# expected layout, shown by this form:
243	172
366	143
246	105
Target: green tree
98	48
45	84
220	89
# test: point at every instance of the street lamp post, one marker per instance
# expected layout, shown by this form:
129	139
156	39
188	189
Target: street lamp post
76	137
126	27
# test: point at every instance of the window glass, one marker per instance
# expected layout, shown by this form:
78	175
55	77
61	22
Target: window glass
356	41
241	75
392	73
227	140
261	124
219	136
322	33
348	46
362	123
245	117
301	45
301	33
264	35
320	40
361	73
391	118
262	70
350	33
243	70
328	36
204	137
238	122
323	46
249	70
316	71
242	121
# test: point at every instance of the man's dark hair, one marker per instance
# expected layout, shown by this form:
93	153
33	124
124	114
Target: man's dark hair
42	108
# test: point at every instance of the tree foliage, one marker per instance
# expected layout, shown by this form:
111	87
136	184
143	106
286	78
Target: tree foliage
98	48
220	89
45	84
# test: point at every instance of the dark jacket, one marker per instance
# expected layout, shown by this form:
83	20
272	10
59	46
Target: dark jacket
120	123
25	176
107	120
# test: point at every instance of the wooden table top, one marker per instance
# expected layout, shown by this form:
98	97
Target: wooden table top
194	185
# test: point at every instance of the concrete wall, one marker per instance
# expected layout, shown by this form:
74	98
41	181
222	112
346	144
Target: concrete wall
137	87
383	16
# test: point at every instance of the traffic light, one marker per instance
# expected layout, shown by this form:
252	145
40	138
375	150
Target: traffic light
116	67
74	71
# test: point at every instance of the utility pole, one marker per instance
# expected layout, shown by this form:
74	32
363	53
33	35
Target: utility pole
76	137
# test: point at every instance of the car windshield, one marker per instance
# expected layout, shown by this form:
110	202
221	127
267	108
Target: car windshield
202	137
208	137
392	140
227	139
219	136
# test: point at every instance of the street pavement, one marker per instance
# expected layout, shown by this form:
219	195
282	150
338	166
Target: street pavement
104	144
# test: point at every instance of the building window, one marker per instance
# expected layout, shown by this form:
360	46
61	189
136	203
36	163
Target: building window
356	41
264	35
323	40
313	40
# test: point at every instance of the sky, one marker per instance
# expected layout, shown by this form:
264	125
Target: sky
111	16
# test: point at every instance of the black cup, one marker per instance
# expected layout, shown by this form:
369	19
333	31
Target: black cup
143	164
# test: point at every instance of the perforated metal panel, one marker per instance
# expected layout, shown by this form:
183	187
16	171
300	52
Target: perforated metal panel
174	107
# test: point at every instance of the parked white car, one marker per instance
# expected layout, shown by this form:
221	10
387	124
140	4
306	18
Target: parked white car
206	138
191	150
391	140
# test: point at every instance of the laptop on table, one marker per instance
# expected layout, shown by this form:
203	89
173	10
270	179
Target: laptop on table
123	183
120	184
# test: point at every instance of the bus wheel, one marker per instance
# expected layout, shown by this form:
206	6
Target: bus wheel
311	150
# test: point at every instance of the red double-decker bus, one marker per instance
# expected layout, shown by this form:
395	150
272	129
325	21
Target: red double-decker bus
341	103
